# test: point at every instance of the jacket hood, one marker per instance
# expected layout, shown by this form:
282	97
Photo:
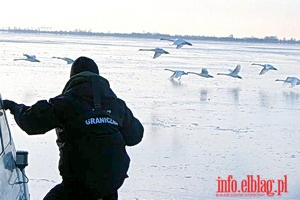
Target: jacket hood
80	86
83	64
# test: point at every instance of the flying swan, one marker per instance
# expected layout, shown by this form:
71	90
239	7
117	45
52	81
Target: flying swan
266	67
177	73
178	42
68	60
233	73
28	58
292	80
204	73
158	51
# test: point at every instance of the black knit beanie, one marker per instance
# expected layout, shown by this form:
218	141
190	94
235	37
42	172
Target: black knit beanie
83	64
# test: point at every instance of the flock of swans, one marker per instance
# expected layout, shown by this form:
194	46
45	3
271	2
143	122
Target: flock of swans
179	43
293	81
32	58
159	51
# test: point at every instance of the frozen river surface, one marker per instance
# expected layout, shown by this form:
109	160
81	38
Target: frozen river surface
200	134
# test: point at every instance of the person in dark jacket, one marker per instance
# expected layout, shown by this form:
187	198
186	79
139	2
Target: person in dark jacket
93	127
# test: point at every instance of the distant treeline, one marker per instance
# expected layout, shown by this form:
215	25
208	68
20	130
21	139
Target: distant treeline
266	39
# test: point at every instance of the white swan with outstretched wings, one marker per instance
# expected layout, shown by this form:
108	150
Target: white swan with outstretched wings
68	60
31	58
290	80
157	51
204	73
178	42
233	73
266	68
176	73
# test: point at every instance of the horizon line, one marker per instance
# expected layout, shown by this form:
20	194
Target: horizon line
273	39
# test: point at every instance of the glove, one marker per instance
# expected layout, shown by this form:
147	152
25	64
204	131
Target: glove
10	105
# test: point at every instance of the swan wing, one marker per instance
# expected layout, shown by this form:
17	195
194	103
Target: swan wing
294	82
28	56
179	73
268	66
173	75
156	54
236	70
160	50
289	79
263	71
179	46
68	60
181	41
188	43
204	71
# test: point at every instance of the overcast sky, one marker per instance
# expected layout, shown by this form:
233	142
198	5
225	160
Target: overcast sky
241	18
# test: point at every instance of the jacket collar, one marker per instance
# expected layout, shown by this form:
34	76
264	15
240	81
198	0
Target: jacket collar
80	78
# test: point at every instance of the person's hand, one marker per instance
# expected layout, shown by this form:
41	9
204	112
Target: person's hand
9	105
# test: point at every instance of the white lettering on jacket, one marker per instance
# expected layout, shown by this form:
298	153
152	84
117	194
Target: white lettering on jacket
100	120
